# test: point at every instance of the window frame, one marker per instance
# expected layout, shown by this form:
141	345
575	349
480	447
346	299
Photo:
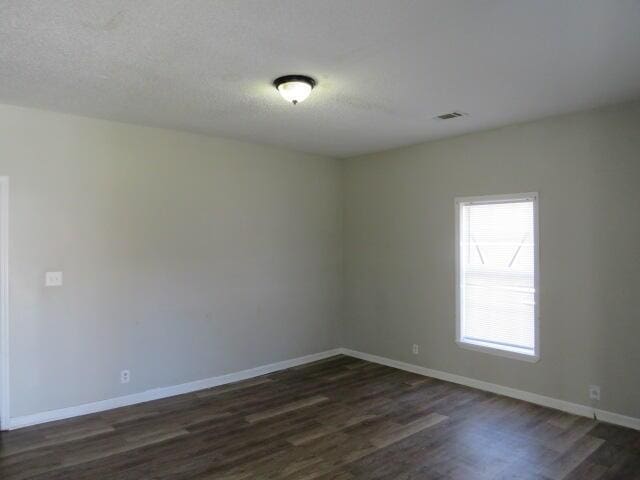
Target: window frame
487	347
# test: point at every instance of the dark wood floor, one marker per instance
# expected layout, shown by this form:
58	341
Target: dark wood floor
338	419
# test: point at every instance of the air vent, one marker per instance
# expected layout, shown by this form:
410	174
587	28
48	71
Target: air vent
450	115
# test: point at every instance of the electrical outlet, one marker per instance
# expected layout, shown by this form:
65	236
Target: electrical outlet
125	376
594	392
416	349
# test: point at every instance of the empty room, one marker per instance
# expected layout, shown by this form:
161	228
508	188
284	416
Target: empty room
330	240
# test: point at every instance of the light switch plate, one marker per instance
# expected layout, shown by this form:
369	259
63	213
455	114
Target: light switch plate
53	279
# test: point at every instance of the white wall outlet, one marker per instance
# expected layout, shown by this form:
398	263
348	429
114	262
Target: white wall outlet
594	392
53	279
416	349
125	376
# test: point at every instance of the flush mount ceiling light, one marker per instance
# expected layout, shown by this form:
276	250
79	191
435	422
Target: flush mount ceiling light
294	88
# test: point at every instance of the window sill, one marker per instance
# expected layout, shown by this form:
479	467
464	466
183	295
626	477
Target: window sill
515	353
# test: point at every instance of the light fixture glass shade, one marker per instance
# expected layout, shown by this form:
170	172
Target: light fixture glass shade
295	91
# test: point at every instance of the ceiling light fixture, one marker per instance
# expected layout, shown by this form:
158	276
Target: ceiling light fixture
294	88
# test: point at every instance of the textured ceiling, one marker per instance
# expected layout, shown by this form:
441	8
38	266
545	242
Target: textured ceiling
384	67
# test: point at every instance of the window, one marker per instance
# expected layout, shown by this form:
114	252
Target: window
497	274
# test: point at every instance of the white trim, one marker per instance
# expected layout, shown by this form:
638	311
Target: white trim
563	405
164	392
617	419
500	352
4	303
501	198
494	349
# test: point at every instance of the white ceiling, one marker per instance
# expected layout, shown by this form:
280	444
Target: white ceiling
384	67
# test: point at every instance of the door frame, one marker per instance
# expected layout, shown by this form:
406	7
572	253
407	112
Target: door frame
4	304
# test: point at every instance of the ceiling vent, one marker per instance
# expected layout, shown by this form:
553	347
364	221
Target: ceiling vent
450	115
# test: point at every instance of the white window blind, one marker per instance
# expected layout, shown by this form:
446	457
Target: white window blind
497	274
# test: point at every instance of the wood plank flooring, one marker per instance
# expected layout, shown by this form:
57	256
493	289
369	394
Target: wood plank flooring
338	419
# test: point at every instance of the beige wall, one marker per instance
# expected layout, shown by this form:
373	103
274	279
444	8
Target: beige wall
184	257
399	251
187	256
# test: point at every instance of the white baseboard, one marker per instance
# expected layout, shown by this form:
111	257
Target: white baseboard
617	419
163	392
574	408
